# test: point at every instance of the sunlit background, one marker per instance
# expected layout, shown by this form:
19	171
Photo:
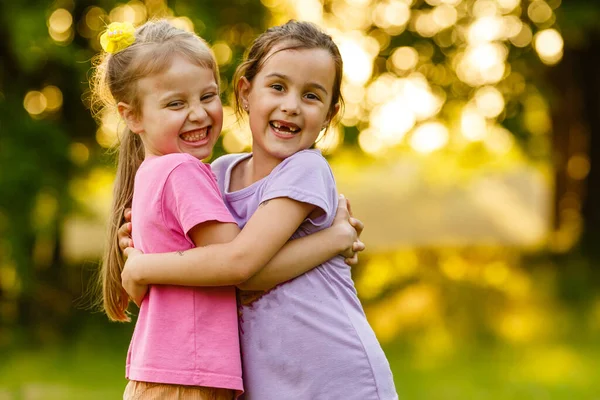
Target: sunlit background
465	147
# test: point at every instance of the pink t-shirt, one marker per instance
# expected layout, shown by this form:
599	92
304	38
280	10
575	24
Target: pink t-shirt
183	335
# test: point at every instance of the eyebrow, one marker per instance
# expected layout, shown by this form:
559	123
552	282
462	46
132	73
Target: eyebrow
313	84
173	93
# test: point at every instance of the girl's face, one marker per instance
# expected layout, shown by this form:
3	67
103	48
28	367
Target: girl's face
288	101
181	111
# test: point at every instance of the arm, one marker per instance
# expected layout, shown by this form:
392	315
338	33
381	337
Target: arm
264	235
295	258
223	264
301	255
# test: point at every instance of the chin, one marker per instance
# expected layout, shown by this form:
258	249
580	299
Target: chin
200	155
282	154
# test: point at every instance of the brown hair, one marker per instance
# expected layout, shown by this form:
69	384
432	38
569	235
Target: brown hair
298	35
115	80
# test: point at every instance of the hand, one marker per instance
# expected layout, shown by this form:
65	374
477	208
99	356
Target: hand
351	229
124	232
135	290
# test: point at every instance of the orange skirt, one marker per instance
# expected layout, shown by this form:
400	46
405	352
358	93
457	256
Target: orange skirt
136	390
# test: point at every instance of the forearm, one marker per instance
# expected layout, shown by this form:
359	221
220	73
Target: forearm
295	258
222	264
214	265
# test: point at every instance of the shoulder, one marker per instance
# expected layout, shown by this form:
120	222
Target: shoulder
222	163
308	155
178	164
305	170
161	167
186	176
171	161
310	159
305	177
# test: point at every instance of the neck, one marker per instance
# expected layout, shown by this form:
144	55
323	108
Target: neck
261	164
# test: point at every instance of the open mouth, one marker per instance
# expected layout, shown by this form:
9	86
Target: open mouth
195	135
284	128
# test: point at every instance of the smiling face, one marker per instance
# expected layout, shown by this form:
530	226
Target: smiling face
181	111
288	101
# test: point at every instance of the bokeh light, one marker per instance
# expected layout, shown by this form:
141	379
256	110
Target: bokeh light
79	153
482	64
222	53
183	23
429	137
60	20
35	103
523	38
473	124
539	11
507	6
370	143
107	132
60	26
549	45
405	58
392	120
358	63
54	98
489	101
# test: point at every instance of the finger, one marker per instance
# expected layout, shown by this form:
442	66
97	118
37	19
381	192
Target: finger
352	260
125	229
357	225
342	202
342	210
127	214
127	251
349	206
358	246
124	243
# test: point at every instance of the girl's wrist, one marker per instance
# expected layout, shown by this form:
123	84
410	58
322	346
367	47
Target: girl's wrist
343	236
133	271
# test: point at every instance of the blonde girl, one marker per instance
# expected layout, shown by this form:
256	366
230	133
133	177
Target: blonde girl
164	83
307	339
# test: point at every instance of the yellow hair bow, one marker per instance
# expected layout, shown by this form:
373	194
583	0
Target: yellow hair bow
118	36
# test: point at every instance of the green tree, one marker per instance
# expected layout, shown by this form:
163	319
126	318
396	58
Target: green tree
45	124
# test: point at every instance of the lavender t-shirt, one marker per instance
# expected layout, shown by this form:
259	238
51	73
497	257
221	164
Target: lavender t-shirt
306	339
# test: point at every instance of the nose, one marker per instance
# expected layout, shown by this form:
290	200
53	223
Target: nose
197	112
290	104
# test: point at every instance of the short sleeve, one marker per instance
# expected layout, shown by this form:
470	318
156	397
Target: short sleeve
191	196
305	177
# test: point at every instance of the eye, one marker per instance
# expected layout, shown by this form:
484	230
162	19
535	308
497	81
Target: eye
175	104
312	96
277	87
208	96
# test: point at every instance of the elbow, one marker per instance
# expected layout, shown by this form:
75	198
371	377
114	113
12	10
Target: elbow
244	268
244	286
249	285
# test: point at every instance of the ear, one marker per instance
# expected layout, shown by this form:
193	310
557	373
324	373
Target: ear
244	87
331	114
131	119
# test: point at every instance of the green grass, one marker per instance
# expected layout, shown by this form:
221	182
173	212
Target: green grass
501	372
94	369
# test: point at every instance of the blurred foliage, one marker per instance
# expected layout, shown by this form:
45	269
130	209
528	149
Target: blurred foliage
478	321
48	142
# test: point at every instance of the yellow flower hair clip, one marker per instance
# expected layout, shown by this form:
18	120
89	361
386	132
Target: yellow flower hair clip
118	36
